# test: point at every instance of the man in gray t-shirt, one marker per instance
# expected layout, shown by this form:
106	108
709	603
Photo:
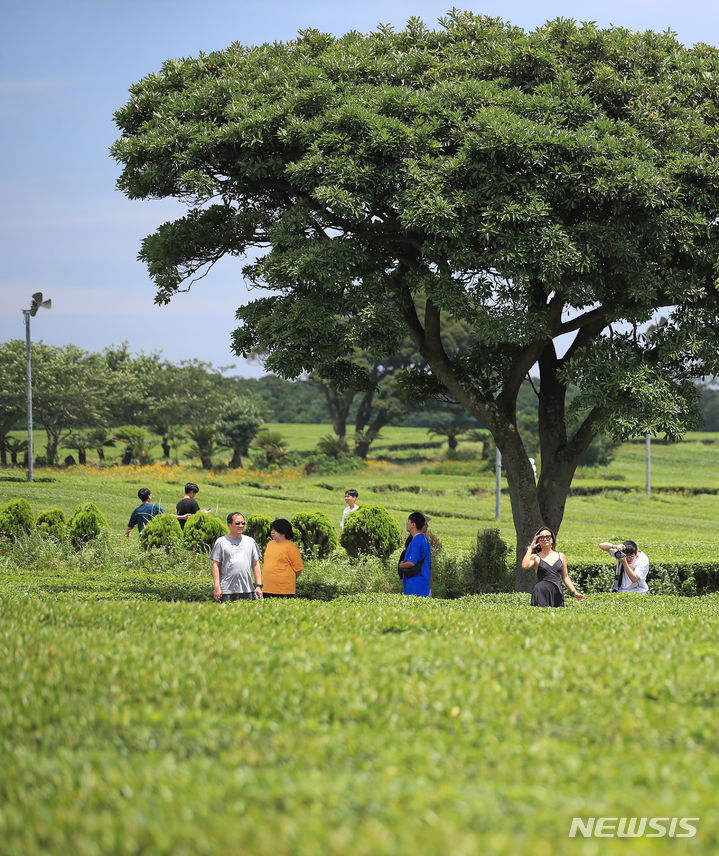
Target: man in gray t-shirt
236	570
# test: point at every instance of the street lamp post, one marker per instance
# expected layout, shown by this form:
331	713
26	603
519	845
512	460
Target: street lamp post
37	302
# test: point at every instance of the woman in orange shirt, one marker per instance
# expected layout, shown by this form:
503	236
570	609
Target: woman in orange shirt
282	561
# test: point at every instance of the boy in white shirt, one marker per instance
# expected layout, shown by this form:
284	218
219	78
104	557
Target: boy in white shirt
351	500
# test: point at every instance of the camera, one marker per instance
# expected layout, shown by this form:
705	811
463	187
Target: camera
537	548
620	554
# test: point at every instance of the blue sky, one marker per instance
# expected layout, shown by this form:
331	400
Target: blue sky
65	230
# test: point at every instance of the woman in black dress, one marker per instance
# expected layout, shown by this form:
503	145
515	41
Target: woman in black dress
551	569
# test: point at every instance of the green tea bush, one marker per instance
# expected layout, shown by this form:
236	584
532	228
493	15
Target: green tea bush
488	570
201	531
16	518
341	576
163	531
484	570
52	523
449	577
314	533
371	530
257	526
593	577
87	524
689	586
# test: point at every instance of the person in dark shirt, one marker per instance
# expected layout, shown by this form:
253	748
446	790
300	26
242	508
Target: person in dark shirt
188	505
144	513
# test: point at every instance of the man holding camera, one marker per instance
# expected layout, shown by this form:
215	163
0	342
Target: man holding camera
632	567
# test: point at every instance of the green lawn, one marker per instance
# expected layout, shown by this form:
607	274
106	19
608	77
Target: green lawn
366	726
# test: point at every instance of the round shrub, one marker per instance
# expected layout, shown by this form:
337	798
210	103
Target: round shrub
257	526
201	531
87	524
489	570
16	518
314	533
162	531
689	586
371	530
52	523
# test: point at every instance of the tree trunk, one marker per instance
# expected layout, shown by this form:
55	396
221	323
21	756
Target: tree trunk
452	442
82	456
543	503
362	447
525	506
366	434
206	462
236	461
339	407
100	453
51	449
165	448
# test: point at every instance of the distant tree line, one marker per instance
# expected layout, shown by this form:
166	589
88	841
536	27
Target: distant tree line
86	402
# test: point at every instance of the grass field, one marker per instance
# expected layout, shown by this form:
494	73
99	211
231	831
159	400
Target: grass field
365	726
137	717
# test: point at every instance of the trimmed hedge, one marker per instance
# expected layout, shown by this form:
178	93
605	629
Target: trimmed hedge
16	518
52	523
202	530
163	531
314	533
372	531
257	526
87	524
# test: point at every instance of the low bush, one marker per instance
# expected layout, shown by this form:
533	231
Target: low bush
163	531
319	463
52	523
488	567
485	569
87	524
315	533
16	518
371	530
327	579
449	577
201	531
257	526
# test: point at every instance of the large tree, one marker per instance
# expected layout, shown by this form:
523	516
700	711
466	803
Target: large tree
553	189
376	403
13	391
70	390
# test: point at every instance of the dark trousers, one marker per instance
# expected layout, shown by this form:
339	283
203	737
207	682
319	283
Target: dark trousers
241	595
269	594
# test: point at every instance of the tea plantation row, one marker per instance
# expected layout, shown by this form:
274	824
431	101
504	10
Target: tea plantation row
371	725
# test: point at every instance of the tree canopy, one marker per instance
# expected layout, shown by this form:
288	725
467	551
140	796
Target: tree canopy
553	189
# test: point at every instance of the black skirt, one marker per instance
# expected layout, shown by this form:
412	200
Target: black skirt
547	594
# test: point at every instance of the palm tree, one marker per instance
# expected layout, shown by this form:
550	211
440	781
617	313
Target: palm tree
203	443
449	428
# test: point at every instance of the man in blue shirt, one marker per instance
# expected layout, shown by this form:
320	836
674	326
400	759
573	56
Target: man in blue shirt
416	565
144	513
